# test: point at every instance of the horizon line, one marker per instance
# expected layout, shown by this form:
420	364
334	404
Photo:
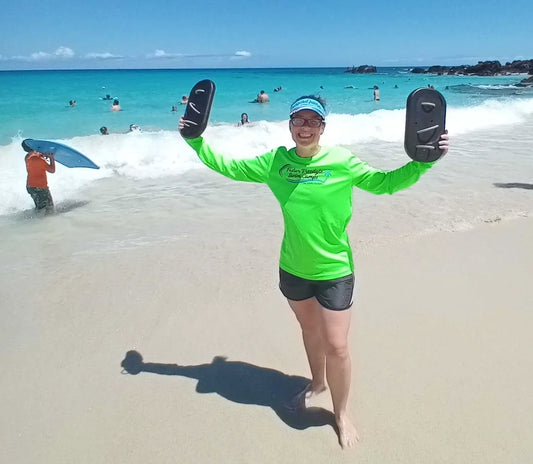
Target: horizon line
244	68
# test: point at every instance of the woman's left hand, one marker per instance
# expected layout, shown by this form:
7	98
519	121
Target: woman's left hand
444	142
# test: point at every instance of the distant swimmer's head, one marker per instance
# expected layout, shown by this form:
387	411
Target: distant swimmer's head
115	102
309	102
134	127
104	131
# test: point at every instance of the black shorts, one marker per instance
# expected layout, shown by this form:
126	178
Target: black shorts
335	294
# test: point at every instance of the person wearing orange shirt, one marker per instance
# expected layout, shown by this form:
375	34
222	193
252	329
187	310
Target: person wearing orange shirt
37	165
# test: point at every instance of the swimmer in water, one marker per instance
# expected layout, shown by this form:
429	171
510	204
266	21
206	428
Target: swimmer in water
244	119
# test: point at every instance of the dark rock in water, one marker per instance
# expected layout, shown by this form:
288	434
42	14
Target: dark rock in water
437	69
485	68
457	70
520	66
364	69
482	68
526	82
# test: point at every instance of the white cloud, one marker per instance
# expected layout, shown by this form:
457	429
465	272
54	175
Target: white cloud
240	55
64	52
59	53
102	56
162	54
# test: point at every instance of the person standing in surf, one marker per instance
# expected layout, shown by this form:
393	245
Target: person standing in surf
262	97
376	93
37	165
116	106
313	185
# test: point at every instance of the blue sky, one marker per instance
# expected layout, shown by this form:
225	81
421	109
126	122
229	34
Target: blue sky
76	34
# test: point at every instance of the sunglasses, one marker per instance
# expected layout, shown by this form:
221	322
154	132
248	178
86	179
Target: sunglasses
300	122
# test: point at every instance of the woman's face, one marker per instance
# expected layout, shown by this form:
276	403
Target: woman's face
306	136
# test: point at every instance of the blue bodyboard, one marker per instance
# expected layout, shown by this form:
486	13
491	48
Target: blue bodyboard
62	154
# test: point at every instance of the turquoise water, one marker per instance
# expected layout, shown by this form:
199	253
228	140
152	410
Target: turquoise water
34	104
151	186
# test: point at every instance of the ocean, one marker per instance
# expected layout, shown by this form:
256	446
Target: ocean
151	188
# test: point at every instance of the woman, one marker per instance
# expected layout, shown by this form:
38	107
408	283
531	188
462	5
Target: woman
244	120
313	185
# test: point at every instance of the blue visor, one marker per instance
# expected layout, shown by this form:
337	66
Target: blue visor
308	104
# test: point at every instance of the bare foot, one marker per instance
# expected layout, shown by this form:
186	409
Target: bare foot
348	435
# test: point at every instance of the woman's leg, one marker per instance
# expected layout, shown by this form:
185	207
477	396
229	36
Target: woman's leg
325	335
308	313
335	327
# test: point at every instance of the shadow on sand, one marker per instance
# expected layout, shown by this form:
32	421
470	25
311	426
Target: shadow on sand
514	185
61	208
67	206
242	383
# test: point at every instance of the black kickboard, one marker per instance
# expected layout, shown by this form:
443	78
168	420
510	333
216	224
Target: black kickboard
198	108
425	122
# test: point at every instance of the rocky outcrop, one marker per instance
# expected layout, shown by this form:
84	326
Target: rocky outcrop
526	82
437	70
364	69
485	68
482	68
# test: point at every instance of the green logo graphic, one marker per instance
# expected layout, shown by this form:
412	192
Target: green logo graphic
304	175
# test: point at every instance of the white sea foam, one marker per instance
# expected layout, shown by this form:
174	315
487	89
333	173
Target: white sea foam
155	155
490	114
495	87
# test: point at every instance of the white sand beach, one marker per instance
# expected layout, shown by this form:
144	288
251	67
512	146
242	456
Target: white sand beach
141	322
441	343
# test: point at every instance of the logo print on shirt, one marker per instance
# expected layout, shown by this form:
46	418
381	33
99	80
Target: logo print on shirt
304	175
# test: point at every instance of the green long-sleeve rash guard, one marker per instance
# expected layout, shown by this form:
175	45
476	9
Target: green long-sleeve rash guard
315	195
